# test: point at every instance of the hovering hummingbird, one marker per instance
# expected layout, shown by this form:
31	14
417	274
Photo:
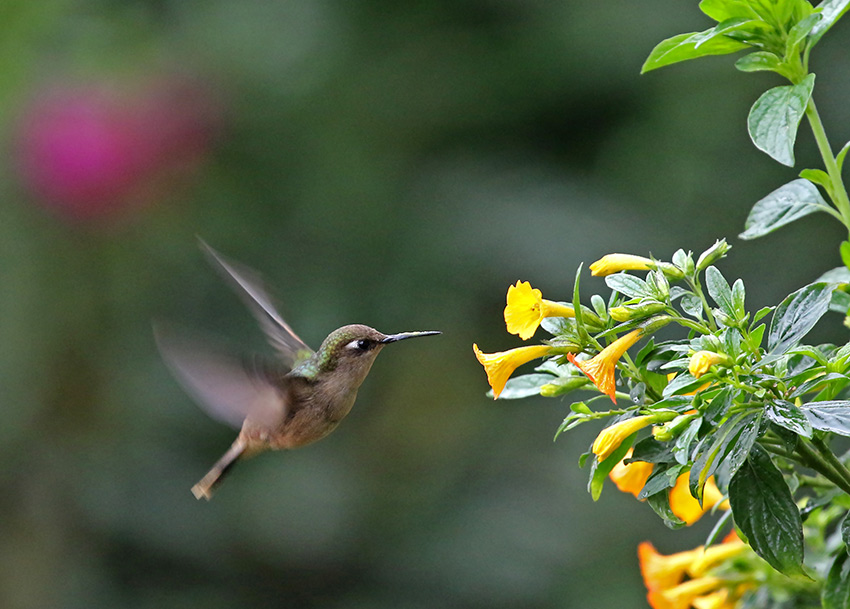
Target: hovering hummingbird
298	399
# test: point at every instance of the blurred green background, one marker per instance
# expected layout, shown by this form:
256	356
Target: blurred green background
397	164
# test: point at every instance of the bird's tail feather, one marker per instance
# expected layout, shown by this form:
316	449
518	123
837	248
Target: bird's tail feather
204	488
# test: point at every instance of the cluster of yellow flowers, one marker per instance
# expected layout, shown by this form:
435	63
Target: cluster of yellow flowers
685	579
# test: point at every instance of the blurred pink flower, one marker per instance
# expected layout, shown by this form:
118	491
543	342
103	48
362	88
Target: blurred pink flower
91	151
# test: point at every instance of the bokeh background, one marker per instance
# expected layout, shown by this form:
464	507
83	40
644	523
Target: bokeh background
397	164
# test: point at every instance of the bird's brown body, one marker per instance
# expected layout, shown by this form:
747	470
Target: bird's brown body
297	401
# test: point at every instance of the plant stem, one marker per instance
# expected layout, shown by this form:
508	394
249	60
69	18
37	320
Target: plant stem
829	457
839	192
811	458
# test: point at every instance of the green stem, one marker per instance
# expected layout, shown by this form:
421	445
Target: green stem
811	458
839	192
829	457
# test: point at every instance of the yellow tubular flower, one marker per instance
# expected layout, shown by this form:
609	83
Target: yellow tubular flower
702	361
686	507
662	572
683	595
600	368
499	366
614	263
631	477
526	308
610	438
716	600
716	554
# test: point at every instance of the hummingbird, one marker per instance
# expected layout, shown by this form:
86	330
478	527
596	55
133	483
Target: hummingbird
290	402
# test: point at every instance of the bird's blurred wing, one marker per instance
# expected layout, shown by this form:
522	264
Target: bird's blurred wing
222	385
249	285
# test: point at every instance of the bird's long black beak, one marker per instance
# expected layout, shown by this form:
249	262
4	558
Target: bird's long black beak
403	335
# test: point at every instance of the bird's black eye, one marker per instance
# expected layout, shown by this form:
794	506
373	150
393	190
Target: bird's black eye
361	345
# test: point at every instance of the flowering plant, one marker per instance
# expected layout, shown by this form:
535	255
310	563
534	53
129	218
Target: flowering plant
735	414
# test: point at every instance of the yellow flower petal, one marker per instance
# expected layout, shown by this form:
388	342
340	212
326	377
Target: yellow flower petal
600	368
614	263
526	308
686	507
499	366
681	596
610	438
631	477
662	572
702	361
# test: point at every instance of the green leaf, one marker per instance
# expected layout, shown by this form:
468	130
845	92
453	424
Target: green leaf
788	415
660	504
836	588
831	11
525	386
775	116
728	446
692	305
845	529
819	177
832	416
721	10
764	510
800	30
839	158
784	205
795	317
719	290
629	285
844	250
689	46
759	61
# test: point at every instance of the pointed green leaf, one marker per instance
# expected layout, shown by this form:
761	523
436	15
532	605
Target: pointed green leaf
719	290
844	250
759	61
839	158
525	386
819	177
800	30
728	446
784	205
788	415
836	588
775	116
831	11
764	510
795	317
832	416
684	47
629	285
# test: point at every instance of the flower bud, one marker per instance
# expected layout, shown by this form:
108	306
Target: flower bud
630	312
563	385
713	254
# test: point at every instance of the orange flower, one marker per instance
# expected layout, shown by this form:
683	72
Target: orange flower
526	308
683	595
631	477
686	507
600	368
499	366
661	572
